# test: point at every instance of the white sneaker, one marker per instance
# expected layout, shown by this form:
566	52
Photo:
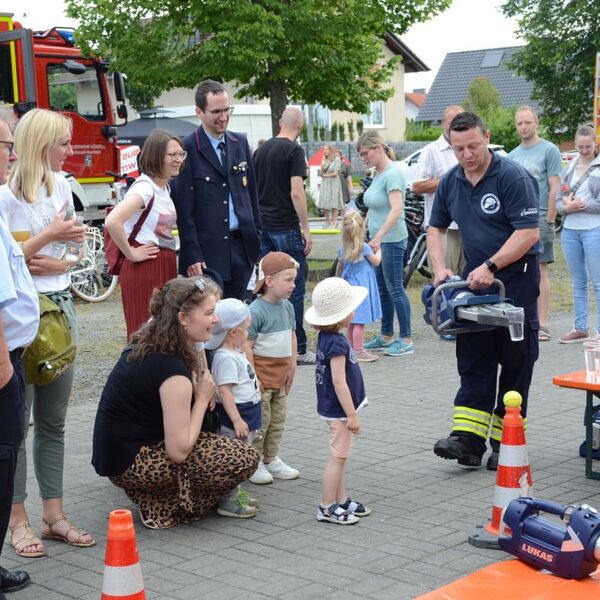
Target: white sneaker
308	358
279	470
261	476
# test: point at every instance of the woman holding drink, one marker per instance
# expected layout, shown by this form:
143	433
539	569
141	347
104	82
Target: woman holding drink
35	203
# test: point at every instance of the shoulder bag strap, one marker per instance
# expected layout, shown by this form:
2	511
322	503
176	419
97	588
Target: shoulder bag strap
582	179
140	221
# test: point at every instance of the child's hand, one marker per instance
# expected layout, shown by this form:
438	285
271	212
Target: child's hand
289	379
241	429
353	424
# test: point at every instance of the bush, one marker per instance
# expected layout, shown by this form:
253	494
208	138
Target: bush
350	131
501	123
360	126
334	131
421	131
313	211
342	132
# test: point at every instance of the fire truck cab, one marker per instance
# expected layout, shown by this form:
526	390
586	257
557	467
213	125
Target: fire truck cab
44	69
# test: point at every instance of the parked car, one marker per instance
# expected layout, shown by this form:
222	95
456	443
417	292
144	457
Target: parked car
408	165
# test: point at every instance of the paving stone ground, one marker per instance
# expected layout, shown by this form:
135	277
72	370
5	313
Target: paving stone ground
424	508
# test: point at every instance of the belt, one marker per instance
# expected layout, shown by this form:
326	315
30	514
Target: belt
235	234
16	354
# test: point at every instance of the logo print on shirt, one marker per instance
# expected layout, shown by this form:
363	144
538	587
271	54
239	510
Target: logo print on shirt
490	204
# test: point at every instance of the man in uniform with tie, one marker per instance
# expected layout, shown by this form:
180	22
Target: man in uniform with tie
216	197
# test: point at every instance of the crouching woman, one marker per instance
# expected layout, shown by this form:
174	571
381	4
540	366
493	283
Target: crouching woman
147	434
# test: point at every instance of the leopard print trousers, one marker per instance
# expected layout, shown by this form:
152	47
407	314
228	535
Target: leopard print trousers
165	491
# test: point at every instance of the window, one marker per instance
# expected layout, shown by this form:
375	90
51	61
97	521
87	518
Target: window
492	58
375	118
76	93
318	115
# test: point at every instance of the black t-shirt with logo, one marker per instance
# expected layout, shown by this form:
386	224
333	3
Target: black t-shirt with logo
505	199
275	162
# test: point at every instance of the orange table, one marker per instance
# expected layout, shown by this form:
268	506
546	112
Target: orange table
581	381
515	580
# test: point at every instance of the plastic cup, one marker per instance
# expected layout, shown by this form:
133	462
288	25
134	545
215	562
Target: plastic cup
21	236
516	317
591	352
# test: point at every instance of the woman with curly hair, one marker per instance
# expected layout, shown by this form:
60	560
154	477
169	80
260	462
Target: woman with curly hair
147	434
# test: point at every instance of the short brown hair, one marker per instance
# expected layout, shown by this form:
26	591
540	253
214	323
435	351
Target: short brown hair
206	87
154	150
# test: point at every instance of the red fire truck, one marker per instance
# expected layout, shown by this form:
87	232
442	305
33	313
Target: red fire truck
45	69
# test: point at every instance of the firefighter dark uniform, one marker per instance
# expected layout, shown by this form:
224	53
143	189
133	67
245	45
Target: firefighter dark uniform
487	214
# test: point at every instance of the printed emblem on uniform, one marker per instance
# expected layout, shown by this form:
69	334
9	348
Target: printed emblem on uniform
490	204
526	212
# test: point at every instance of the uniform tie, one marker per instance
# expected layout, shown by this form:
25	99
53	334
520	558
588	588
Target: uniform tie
221	147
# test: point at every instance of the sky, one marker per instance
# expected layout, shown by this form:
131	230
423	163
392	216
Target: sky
466	25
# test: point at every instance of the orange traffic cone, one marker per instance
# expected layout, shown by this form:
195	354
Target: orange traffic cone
122	570
513	478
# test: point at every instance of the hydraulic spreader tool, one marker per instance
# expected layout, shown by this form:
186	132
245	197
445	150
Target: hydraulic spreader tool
450	308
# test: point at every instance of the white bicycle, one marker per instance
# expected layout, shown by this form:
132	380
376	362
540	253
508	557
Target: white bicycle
89	279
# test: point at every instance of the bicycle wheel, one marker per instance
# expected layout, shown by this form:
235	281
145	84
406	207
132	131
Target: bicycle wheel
415	260
89	279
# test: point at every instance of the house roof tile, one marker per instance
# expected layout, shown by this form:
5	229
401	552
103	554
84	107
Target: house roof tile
458	70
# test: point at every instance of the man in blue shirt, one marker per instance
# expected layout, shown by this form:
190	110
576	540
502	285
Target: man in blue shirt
542	159
495	205
19	320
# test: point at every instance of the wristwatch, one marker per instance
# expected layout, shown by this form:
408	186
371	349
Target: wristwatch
491	265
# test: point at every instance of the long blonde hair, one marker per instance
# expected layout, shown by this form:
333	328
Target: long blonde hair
36	132
352	236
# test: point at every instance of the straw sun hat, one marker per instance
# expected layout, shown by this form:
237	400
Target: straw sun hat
333	300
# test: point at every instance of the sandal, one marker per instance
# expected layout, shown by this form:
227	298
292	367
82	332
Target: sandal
152	524
65	537
27	539
544	335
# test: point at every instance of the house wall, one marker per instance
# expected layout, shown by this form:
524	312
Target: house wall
254	117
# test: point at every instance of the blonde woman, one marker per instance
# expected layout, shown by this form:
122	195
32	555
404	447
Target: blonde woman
37	197
579	203
331	200
384	199
356	265
150	258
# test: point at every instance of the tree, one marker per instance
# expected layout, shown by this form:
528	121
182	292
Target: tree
334	131
307	50
562	41
483	97
351	131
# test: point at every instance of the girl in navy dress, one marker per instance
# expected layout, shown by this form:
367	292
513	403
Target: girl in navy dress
356	262
340	392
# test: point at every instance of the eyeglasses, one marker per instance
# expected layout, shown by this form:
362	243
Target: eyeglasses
181	155
10	146
199	285
364	153
217	112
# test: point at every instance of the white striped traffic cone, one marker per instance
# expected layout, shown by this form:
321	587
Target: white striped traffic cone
122	570
513	478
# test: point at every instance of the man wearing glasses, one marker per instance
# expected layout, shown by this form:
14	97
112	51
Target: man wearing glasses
216	197
19	320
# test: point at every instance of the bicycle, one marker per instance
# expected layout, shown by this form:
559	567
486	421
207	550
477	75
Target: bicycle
89	279
416	249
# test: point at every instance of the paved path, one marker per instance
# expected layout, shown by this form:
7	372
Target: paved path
424	508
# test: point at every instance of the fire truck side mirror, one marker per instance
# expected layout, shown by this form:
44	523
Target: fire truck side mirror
122	111
74	67
119	83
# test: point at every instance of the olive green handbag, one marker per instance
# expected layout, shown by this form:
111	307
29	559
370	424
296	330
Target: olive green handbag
52	351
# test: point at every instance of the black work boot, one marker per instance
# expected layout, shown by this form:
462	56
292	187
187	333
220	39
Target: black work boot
461	448
492	461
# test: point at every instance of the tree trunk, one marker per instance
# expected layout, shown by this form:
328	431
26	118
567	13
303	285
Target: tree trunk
278	101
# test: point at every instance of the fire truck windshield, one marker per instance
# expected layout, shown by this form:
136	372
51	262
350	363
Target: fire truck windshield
78	93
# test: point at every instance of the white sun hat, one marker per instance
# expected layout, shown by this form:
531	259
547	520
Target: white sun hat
333	300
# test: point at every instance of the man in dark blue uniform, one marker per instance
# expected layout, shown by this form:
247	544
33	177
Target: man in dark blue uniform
216	197
494	201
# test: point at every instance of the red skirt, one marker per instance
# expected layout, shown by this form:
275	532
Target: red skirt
138	280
